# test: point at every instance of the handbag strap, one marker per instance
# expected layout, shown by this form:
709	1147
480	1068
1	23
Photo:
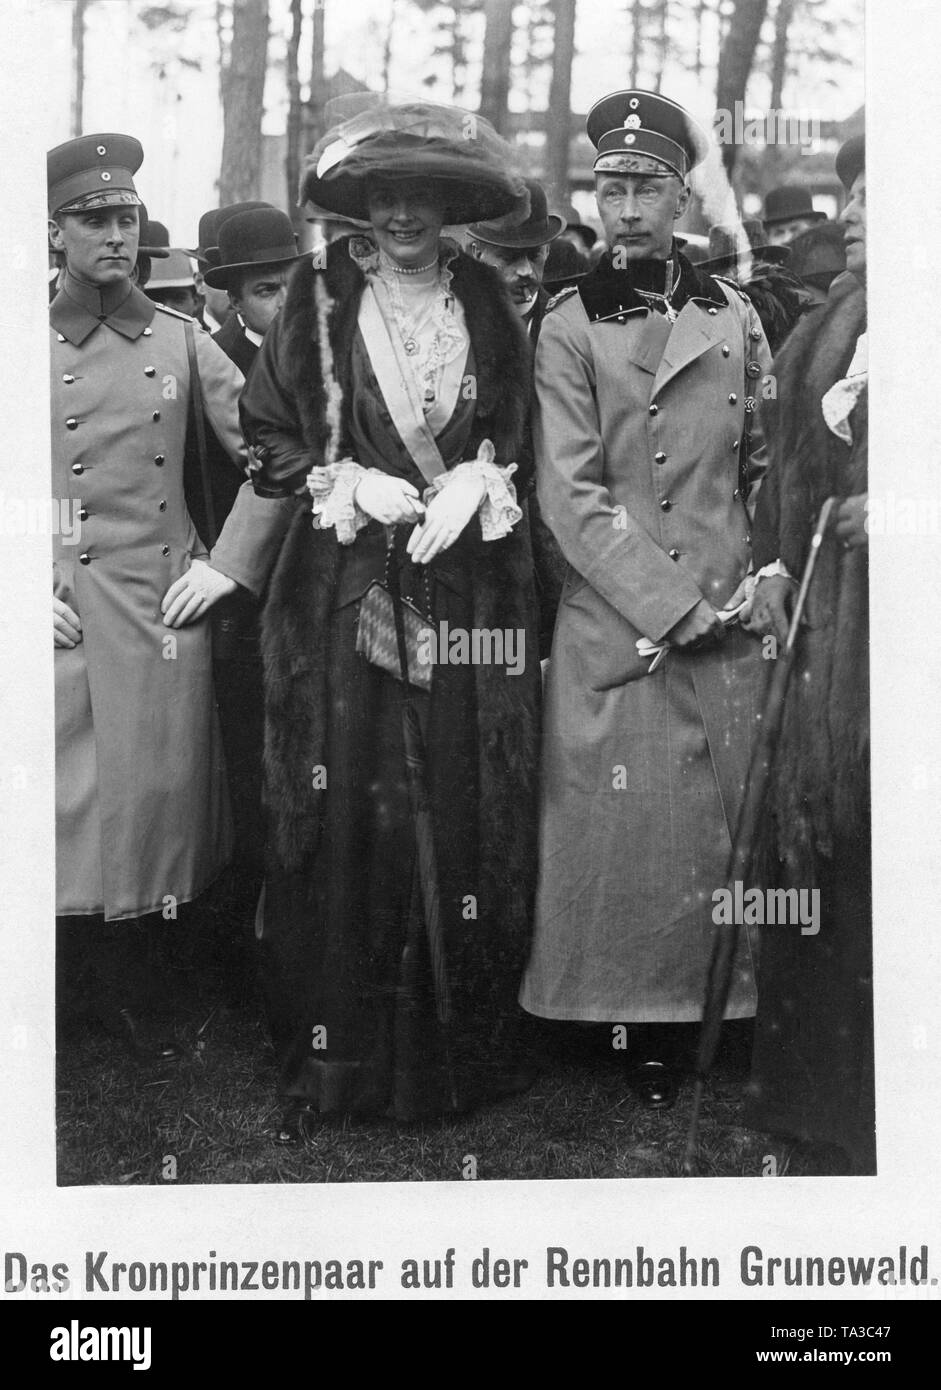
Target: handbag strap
394	374
392	578
196	405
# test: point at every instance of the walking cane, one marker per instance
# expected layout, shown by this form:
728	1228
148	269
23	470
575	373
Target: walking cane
419	804
725	941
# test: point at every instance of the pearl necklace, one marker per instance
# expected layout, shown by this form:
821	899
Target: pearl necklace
407	270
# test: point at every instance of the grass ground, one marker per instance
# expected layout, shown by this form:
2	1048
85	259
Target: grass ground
119	1122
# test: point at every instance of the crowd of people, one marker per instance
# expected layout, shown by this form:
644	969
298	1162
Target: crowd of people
430	581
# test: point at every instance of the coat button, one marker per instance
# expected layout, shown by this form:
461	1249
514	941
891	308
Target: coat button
83	514
77	468
753	369
159	460
150	371
726	350
68	378
162	505
164	550
61	338
156	416
71	423
84	559
755	335
734	445
735	495
673	554
732	398
666	504
653	410
660	457
148	332
713	312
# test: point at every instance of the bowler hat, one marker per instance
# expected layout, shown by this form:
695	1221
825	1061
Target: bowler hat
175	273
626	127
573	223
154	237
249	240
93	171
851	160
540	227
788	203
207	248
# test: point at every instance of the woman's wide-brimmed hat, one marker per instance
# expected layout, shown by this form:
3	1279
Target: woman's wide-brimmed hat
456	155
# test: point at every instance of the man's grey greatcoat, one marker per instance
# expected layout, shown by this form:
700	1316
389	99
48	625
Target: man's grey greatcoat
142	810
638	429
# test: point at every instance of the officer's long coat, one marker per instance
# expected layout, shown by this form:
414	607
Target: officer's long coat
637	434
141	806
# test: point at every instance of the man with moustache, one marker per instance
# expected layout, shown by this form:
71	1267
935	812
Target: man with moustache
647	375
519	253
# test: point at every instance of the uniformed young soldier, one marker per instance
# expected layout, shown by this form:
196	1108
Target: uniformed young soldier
646	376
143	821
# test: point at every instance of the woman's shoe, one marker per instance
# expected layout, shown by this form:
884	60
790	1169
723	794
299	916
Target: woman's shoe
654	1085
294	1125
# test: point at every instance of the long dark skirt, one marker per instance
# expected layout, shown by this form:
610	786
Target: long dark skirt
345	961
813	1061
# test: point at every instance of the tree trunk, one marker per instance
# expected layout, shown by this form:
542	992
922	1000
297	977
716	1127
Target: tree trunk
495	77
292	161
243	102
78	65
735	63
387	48
663	17
559	115
779	54
637	39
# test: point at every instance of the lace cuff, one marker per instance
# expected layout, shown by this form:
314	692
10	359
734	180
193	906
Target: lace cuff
331	487
498	510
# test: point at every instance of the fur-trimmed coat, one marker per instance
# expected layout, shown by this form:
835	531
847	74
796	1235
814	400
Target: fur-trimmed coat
822	777
284	416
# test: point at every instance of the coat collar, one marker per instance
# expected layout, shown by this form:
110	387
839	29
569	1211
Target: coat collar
607	293
78	309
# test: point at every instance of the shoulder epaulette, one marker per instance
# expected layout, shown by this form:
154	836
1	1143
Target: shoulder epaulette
734	285
175	314
561	297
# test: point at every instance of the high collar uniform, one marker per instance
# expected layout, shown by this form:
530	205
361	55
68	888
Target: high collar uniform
638	429
141	804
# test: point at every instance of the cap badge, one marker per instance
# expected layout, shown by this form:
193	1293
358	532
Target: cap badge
632	122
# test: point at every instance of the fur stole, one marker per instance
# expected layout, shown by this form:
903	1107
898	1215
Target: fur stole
299	599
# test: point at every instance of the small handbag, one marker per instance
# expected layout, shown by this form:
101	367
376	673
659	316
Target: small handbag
376	637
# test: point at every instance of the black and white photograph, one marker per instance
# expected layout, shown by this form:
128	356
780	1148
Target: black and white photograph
462	769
